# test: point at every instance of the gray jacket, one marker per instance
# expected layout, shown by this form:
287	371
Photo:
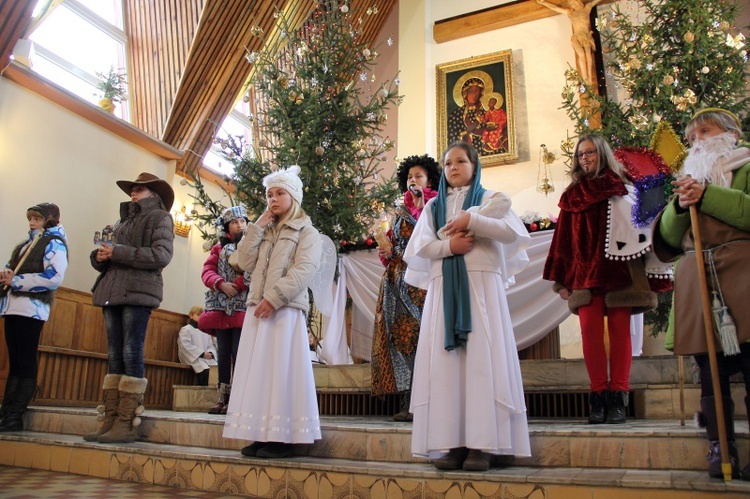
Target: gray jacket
143	236
283	263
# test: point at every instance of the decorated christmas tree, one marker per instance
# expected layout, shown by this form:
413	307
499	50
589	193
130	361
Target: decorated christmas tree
665	59
319	105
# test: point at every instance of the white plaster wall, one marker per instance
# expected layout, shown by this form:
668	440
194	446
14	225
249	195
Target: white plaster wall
50	154
541	54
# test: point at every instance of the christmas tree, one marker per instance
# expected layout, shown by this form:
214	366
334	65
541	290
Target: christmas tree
317	104
668	58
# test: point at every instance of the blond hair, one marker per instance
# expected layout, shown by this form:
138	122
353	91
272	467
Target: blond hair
195	310
293	213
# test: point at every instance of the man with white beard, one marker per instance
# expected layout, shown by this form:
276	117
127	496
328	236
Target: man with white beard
716	180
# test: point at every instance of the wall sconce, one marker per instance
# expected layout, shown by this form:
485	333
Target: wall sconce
182	222
543	183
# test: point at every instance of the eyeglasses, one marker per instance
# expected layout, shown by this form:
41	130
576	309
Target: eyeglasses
586	154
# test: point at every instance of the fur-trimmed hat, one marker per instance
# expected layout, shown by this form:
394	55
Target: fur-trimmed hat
154	183
48	211
288	179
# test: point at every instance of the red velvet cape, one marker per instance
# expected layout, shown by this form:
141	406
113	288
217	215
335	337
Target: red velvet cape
576	256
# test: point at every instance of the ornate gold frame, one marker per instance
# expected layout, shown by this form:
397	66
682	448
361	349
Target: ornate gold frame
496	72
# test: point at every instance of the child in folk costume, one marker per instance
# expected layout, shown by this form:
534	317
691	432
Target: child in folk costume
467	396
398	313
715	178
598	287
274	401
196	348
226	299
27	287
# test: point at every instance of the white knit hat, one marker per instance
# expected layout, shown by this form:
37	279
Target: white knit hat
287	179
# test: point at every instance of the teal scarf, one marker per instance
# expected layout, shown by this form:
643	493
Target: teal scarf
456	299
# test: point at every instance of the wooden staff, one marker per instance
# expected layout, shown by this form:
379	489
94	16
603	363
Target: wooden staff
25	255
681	370
726	465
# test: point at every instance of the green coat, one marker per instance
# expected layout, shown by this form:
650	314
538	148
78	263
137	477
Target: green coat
725	212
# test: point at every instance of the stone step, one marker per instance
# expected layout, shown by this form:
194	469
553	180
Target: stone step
637	444
654	384
226	471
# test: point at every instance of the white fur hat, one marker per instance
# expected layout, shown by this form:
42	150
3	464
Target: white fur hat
288	179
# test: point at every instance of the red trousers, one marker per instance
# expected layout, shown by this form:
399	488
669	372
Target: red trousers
591	317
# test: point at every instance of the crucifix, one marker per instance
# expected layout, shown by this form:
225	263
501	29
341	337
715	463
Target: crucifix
582	39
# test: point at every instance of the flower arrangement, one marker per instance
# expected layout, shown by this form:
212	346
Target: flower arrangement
535	223
112	85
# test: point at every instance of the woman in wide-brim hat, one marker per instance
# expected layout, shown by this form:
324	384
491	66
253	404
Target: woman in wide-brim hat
150	181
129	286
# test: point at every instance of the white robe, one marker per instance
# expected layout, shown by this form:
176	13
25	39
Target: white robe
471	396
276	399
191	344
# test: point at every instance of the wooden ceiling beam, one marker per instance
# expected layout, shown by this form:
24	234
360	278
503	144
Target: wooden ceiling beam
15	17
216	70
482	21
490	19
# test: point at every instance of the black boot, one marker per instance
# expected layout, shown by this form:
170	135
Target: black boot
598	402
10	391
616	404
746	469
404	414
708	406
13	420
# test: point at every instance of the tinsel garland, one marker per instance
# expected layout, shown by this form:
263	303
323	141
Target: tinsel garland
651	177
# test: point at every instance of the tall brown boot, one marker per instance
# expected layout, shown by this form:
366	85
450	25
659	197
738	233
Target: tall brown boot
129	408
223	399
108	409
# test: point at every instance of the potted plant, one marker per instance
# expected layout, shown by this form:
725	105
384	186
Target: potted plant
112	86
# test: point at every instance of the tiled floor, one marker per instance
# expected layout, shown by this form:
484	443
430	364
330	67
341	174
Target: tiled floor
29	483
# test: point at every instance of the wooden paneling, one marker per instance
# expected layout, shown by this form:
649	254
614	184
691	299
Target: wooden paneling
214	74
73	354
15	17
159	38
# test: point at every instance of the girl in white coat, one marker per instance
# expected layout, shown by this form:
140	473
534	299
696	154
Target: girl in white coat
273	400
467	396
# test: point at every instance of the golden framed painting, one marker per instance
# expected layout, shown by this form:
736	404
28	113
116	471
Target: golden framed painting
475	105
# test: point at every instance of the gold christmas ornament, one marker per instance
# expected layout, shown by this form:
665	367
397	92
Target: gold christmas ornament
689	37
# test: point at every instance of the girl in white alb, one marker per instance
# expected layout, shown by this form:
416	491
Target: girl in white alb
467	396
273	398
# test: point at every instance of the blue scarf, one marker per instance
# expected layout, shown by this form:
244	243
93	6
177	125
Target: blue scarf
456	299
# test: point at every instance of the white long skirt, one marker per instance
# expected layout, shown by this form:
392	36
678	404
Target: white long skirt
471	396
273	390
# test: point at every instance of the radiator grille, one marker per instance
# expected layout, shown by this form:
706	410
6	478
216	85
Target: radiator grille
538	405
